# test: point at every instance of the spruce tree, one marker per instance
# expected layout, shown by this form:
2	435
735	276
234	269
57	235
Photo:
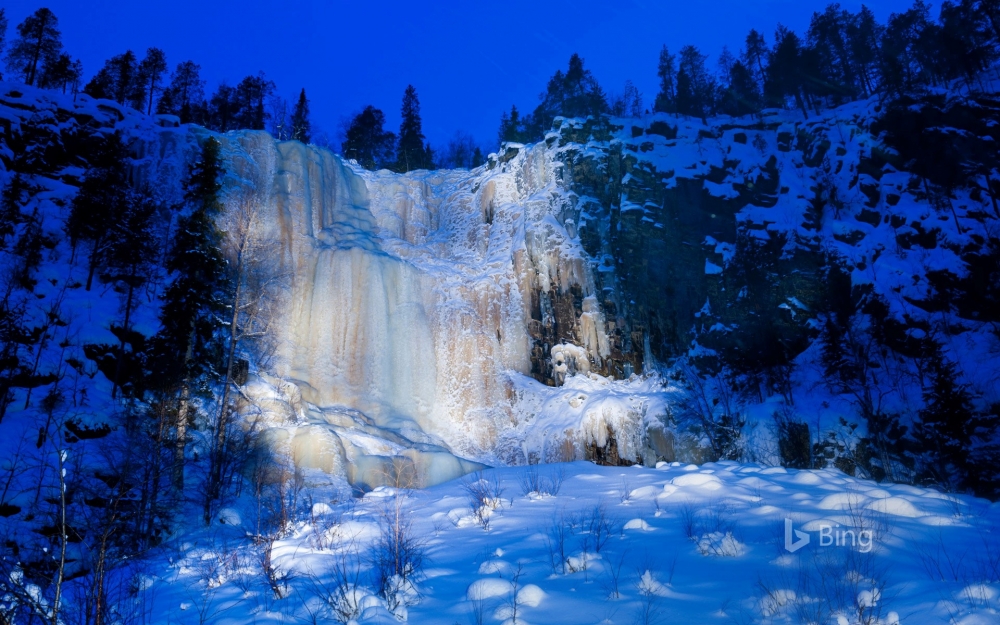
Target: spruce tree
947	423
411	154
39	43
573	94
513	127
127	262
741	96
300	119
367	141
186	347
103	197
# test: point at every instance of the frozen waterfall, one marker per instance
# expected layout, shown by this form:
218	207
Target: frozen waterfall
405	328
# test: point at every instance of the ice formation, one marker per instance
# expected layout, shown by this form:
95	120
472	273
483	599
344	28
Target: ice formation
404	325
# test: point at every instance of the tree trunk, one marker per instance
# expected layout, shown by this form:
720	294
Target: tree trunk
989	191
33	67
38	359
182	416
801	103
215	477
161	427
93	264
121	347
62	539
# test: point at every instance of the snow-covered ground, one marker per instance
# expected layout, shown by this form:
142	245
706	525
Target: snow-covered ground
674	544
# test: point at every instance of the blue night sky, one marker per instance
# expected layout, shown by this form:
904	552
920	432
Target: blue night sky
468	60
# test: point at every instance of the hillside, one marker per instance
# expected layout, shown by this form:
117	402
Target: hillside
769	291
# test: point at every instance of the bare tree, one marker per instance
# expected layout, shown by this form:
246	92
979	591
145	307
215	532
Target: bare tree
398	554
256	287
716	411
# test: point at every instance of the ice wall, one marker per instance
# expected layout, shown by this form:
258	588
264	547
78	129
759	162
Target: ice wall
408	296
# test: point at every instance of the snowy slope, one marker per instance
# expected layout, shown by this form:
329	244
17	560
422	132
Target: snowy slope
687	544
419	307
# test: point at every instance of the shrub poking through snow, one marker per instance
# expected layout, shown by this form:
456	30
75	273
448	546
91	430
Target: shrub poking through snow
484	495
397	555
532	482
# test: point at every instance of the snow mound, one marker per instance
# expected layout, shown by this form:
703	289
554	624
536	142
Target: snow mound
896	506
488	588
698	480
839	501
530	595
498	567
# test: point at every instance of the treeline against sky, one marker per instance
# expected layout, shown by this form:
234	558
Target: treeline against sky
842	56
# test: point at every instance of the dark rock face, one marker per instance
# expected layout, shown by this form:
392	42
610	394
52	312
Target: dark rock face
649	234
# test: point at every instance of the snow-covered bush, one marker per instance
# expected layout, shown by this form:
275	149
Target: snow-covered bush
484	496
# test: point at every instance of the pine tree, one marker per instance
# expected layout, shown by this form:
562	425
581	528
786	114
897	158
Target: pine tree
726	62
833	72
64	73
38	44
411	153
629	103
222	109
300	119
117	81
460	152
248	99
755	54
695	87
186	347
900	48
741	97
3	31
784	70
864	37
102	198
964	46
367	141
11	200
185	94
477	157
667	71
127	261
150	74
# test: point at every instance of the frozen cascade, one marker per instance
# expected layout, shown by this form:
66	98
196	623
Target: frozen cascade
404	326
